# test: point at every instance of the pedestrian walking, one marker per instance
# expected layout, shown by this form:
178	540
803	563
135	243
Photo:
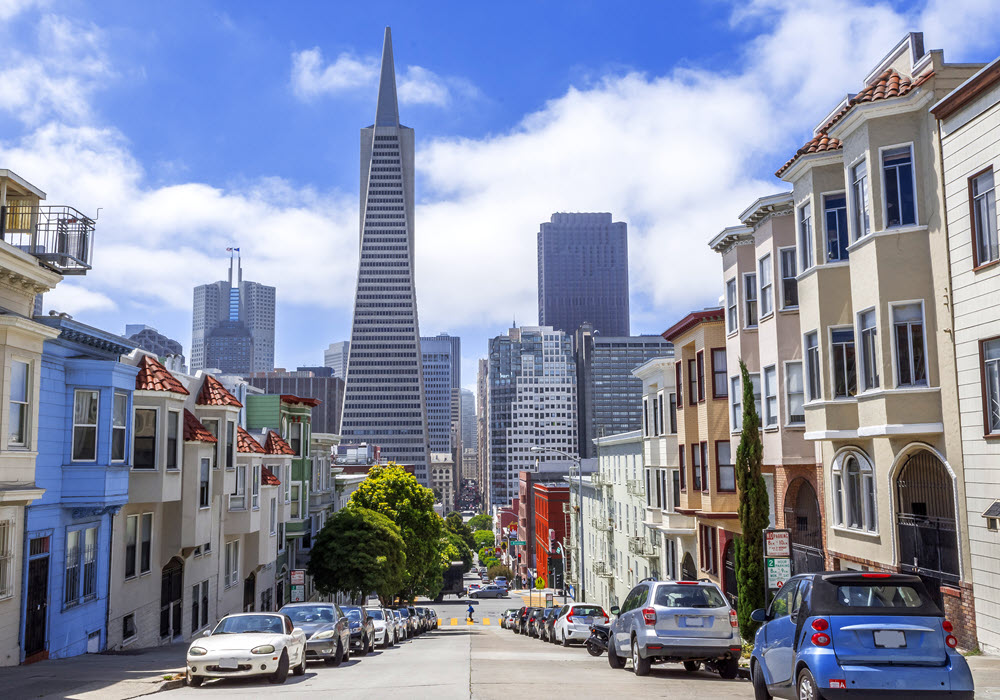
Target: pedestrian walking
471	610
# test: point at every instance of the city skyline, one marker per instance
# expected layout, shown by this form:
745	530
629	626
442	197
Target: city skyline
519	133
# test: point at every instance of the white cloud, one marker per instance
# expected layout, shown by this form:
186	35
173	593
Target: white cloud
73	299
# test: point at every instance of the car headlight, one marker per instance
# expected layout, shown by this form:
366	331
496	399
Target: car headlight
325	634
197	651
263	649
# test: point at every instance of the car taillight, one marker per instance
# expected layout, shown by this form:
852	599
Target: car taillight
820	625
875	575
821	639
951	641
947	627
569	618
733	620
649	615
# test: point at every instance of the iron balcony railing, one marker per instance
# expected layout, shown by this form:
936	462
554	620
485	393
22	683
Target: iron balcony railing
59	236
601	524
637	487
601	568
642	547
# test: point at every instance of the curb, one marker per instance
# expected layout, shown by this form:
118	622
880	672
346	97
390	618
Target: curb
170	685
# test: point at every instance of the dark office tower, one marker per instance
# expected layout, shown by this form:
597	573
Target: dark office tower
384	395
583	273
609	396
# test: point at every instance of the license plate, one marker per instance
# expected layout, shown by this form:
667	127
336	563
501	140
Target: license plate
694	622
890	639
588	620
229	664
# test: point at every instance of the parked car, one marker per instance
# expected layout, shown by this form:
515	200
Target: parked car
508	618
472	587
534	615
501	581
362	629
574	622
435	620
328	631
408	622
401	631
425	615
545	624
867	634
675	621
489	591
248	644
418	620
383	632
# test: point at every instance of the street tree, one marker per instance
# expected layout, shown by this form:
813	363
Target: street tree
500	570
395	493
358	552
484	538
454	523
480	522
754	513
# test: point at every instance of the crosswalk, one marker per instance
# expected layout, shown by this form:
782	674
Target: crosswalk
454	621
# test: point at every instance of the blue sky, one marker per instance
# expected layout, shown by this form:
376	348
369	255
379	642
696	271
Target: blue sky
200	125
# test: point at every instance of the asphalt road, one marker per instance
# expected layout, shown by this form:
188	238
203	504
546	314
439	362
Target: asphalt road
480	661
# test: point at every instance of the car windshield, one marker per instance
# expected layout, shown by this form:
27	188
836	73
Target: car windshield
241	624
687	596
353	613
876	596
377	614
587	610
311	613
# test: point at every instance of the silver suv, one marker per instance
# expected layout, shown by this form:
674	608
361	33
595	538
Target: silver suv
678	621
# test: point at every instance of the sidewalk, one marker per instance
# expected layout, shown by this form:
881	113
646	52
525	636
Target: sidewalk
111	676
986	673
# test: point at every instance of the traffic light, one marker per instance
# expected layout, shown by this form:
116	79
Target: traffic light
518	557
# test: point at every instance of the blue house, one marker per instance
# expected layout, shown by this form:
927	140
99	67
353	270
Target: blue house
84	457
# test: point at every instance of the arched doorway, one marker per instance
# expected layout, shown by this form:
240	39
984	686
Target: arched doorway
171	599
925	521
802	518
729	584
249	592
688	570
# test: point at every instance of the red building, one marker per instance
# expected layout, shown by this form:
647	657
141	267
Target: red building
549	525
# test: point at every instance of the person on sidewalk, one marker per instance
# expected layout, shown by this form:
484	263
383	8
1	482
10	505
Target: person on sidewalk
471	610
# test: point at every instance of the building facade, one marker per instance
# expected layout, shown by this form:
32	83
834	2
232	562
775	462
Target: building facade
609	397
384	399
151	340
468	409
439	363
583	273
443	479
328	391
233	325
532	402
335	357
483	431
550	498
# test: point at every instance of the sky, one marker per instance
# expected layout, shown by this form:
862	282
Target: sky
194	126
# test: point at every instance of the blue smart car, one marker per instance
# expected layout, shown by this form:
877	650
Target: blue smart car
856	635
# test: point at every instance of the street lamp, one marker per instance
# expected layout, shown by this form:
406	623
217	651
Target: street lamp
579	515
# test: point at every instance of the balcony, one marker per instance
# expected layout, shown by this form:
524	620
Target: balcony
636	487
642	547
60	237
599	480
601	568
601	524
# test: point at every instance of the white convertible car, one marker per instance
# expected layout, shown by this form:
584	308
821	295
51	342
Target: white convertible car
248	644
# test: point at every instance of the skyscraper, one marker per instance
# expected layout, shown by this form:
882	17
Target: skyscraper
468	419
335	357
384	395
151	340
438	364
233	324
532	401
583	273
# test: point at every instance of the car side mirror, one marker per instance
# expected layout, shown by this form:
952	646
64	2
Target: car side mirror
206	633
296	630
759	615
615	610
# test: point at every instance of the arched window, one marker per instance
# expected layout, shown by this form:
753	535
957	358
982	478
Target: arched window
854	493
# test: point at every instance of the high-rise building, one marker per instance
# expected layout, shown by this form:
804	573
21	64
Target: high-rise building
384	394
532	402
151	340
583	273
307	384
438	365
609	396
483	429
335	357
233	325
468	400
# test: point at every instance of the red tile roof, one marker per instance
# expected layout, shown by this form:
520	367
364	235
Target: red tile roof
267	478
245	442
194	430
289	398
890	83
155	377
274	445
214	394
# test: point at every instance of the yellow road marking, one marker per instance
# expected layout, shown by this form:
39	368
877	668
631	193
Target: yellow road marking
439	622
454	621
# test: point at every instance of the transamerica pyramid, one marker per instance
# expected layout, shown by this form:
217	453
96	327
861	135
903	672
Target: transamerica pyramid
384	394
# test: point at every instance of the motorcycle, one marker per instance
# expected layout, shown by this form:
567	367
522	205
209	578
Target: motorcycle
597	643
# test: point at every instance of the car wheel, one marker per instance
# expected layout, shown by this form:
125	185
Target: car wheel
728	668
692	666
193	680
371	643
760	691
336	658
281	673
565	642
806	687
364	646
300	670
640	666
614	660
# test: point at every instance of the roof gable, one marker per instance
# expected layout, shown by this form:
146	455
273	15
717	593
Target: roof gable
267	478
214	394
153	376
194	430
245	442
274	445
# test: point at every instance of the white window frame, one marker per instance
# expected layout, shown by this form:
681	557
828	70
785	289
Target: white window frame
229	447
805	238
788	394
991	390
207	480
232	563
24	406
857	207
7	557
859	352
747	301
281	535
895	347
219	439
982	202
768	394
781	269
844	253
156	437
807	366
286	473
177	420
832	359
736	403
274	516
240	486
95	425
122	428
765	295
885	198
255	488
843	497
732	306
758	394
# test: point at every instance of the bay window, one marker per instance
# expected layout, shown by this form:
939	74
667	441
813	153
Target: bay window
989	351
859	190
692	382
736	403
725	469
845	381
720	388
173	439
696	466
806	258
85	425
203	483
17	429
750	300
789	283
899	185
770	396
869	349
766	275
731	320
811	344
835	214
908	335
237	499
794	393
144	438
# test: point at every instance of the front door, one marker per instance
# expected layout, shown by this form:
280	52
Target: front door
171	599
249	592
729	573
37	606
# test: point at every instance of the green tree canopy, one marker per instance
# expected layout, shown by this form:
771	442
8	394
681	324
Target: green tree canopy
395	493
484	538
501	570
754	513
358	552
480	522
454	523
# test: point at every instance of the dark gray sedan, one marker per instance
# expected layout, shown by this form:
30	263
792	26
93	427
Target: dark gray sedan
327	628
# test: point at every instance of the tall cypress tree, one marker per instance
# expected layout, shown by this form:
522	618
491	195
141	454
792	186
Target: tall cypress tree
754	513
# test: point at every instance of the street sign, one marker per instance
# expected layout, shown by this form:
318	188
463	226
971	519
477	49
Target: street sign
777	543
518	543
539	583
298	577
548	600
298	594
779	570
